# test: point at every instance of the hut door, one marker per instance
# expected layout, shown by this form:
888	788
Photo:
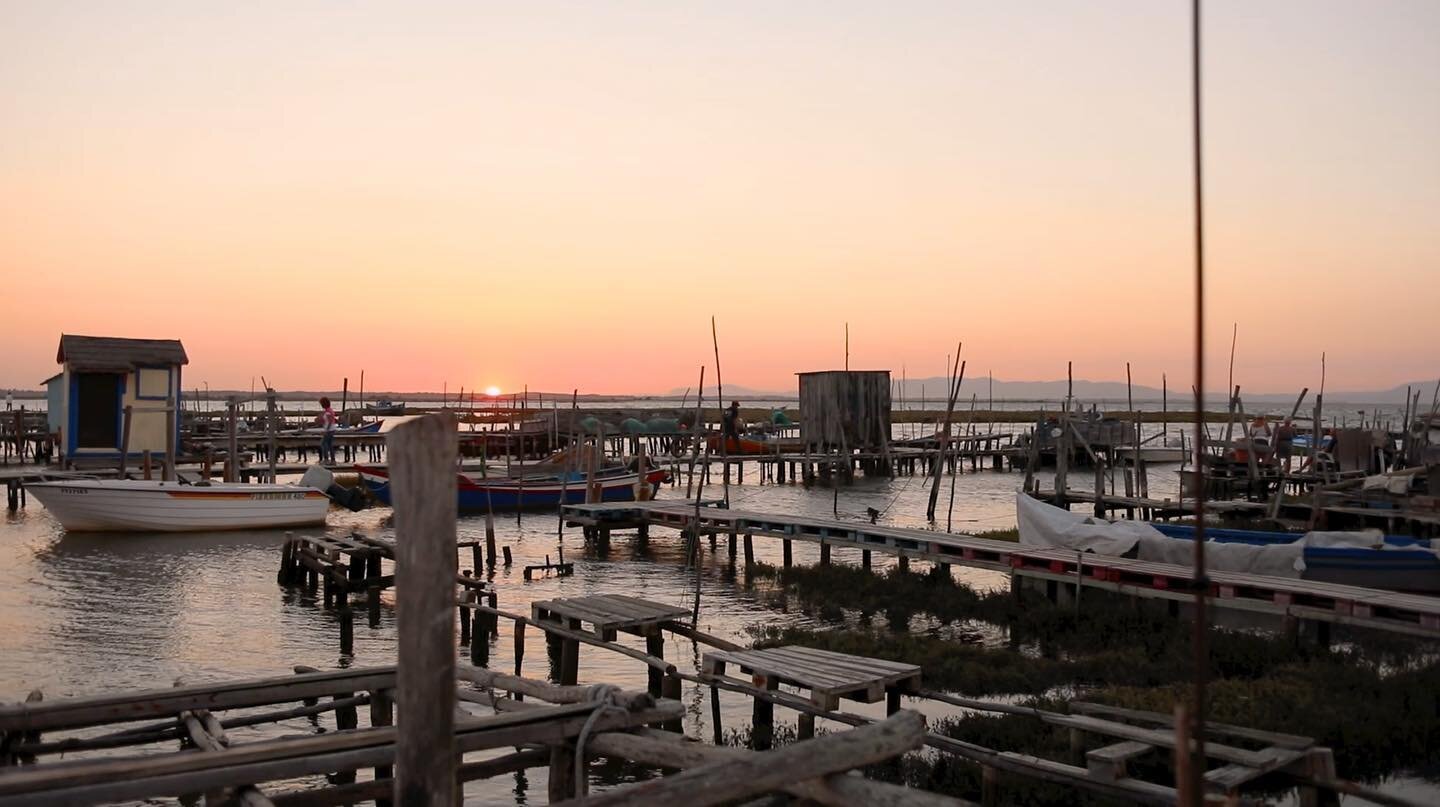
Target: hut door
98	418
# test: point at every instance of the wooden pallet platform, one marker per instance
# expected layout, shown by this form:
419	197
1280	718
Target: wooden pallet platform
1412	614
608	614
828	676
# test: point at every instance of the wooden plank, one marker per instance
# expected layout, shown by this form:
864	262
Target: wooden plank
664	749
89	782
422	453
1161	738
1218	729
869	668
755	774
1108	763
147	704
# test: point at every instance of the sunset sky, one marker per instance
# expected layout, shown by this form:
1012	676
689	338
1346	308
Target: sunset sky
562	194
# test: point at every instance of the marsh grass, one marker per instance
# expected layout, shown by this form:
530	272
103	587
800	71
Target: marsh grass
1373	698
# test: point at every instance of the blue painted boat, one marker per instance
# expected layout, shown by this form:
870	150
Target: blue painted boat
1406	564
533	492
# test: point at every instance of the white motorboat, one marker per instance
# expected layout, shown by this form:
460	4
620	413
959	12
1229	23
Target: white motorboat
125	505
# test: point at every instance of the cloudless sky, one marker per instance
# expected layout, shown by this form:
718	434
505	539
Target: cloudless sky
562	194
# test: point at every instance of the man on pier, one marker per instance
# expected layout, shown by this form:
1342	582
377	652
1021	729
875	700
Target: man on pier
730	426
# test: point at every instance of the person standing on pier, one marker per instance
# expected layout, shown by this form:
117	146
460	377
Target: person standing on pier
730	426
9	399
1284	442
329	422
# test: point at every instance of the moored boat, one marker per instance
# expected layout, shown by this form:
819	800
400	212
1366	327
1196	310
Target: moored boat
1366	558
531	492
126	505
1357	558
740	446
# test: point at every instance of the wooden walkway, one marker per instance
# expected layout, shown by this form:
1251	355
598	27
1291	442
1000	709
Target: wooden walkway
827	675
1397	612
608	614
211	759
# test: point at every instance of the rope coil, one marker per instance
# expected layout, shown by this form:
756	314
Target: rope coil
603	696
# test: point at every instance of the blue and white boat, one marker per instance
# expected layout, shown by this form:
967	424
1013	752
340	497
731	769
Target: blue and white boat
1397	562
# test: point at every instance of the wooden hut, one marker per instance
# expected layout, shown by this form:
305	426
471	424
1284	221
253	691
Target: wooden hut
845	410
100	377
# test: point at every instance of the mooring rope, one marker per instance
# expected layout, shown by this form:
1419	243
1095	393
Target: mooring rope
604	698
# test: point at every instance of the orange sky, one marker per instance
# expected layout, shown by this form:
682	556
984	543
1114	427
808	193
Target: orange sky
562	194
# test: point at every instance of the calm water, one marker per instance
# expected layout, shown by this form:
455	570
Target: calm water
90	614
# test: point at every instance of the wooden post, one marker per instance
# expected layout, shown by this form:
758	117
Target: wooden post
270	429
145	464
168	472
655	646
670	690
762	728
232	444
382	713
124	440
422	462
749	550
570	657
786	543
347	630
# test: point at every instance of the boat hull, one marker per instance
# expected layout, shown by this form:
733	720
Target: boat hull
1407	565
133	506
477	496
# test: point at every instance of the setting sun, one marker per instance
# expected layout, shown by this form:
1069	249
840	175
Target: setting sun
492	390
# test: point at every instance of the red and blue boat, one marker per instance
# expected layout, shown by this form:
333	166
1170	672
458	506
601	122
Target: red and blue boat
535	492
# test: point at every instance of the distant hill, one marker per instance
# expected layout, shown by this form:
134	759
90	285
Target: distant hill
1090	391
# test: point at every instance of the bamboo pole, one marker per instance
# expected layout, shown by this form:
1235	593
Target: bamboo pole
959	374
720	398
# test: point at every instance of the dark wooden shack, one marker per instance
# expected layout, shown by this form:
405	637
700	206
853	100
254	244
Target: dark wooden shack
845	410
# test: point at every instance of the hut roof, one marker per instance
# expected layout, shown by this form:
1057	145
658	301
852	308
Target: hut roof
110	354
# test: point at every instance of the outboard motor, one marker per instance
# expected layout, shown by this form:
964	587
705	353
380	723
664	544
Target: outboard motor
317	477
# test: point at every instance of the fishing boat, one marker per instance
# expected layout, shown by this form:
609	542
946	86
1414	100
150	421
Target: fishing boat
1369	559
385	406
740	446
366	428
126	505
529	492
1357	558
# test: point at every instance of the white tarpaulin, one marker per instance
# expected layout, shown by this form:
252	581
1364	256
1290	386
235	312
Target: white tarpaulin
1044	525
1050	527
1277	560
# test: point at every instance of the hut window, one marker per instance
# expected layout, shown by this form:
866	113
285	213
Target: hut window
152	383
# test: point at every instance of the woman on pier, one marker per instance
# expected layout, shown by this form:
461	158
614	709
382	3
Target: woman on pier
329	422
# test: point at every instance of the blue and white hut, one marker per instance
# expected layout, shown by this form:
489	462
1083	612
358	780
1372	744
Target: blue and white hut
100	377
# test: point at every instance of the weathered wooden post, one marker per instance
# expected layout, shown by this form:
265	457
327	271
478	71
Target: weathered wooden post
168	473
232	444
124	440
382	713
270	426
422	462
655	646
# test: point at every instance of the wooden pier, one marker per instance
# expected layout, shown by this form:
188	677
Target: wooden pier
1060	570
215	759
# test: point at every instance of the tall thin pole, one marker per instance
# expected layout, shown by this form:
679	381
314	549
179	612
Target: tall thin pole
1200	582
724	438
